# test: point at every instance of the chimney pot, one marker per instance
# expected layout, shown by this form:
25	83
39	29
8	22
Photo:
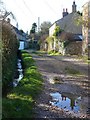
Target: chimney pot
63	10
66	10
8	20
74	7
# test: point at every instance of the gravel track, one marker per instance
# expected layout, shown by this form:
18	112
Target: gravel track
51	66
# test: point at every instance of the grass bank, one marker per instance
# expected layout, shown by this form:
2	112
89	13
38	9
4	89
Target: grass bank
20	101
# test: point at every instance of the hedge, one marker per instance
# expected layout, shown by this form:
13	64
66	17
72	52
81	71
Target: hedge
9	55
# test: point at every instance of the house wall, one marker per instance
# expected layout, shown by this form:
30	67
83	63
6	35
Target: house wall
61	48
51	30
50	46
21	46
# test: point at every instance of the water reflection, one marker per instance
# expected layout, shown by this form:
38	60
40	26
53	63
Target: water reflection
68	102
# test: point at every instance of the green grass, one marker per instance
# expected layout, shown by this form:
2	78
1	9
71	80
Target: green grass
20	101
52	52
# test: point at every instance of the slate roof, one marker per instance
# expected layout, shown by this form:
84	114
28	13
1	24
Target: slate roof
68	23
19	32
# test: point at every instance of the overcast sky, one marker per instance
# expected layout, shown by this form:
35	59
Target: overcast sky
28	11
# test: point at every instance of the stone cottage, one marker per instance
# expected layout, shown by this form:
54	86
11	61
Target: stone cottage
70	43
69	25
23	38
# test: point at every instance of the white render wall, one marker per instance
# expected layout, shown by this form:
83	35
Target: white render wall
21	46
51	30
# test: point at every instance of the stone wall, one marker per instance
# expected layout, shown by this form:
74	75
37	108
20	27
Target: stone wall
74	48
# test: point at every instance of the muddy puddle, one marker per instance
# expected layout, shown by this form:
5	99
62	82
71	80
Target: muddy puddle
78	105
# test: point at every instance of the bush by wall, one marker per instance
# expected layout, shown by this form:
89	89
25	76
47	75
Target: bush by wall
9	55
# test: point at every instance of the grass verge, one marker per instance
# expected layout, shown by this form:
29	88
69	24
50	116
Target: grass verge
20	101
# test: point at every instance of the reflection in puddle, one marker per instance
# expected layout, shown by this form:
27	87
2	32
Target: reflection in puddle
68	102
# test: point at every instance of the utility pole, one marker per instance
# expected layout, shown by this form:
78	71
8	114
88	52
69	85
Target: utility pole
38	24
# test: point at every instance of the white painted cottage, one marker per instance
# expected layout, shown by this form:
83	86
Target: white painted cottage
22	38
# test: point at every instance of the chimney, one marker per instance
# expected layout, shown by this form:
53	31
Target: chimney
8	20
74	7
63	10
65	13
66	10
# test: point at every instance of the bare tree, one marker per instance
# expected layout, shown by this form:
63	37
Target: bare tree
4	13
81	21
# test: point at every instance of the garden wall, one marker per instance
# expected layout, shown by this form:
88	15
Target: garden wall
74	48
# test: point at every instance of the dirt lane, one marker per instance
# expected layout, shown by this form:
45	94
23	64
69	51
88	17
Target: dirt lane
50	67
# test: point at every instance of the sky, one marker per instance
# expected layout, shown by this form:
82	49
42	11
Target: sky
28	11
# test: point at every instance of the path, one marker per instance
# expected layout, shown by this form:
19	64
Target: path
51	66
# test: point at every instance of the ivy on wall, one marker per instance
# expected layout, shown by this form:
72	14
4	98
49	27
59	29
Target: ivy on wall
66	43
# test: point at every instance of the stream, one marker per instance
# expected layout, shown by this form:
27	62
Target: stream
19	72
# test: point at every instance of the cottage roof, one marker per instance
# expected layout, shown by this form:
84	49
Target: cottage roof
68	23
19	32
